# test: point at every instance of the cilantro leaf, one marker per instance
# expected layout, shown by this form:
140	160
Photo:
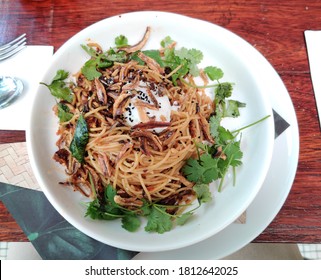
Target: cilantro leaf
108	60
214	73
131	222
172	62
223	90
100	60
203	196
193	56
194	70
121	41
182	60
60	75
89	50
182	219
203	192
154	54
203	170
80	140
232	108
224	135
193	170
98	211
166	41
107	209
146	208
158	220
64	114
190	58
58	87
110	194
93	209
215	123
90	70
211	171
233	152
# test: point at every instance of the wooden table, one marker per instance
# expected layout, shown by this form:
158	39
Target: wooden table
274	27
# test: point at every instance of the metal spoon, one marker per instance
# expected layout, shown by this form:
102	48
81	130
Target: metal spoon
10	89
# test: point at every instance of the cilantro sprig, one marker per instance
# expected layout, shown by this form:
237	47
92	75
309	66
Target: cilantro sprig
121	41
100	60
158	218
58	86
215	160
182	60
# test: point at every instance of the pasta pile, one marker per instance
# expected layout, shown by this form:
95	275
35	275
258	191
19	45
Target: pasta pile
141	161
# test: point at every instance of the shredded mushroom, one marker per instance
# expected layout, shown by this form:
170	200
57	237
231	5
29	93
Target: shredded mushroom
139	45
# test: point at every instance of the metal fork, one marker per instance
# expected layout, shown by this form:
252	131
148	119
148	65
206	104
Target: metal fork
13	47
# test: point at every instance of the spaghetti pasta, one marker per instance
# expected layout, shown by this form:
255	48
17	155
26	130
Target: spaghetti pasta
137	161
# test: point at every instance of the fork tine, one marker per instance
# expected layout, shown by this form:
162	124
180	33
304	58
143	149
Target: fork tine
12	47
13	52
8	45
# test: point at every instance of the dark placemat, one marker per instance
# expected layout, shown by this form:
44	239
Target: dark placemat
51	235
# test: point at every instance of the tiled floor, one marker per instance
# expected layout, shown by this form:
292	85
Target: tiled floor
308	251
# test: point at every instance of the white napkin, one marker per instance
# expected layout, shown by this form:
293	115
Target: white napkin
29	66
313	42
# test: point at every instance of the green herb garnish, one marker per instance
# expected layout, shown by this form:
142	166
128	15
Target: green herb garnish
214	73
80	140
121	41
100	61
58	87
64	114
158	219
182	60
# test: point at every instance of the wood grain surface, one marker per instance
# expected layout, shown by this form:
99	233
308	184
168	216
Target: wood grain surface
275	28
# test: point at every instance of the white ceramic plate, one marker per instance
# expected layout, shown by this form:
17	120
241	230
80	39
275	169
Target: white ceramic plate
270	198
242	65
